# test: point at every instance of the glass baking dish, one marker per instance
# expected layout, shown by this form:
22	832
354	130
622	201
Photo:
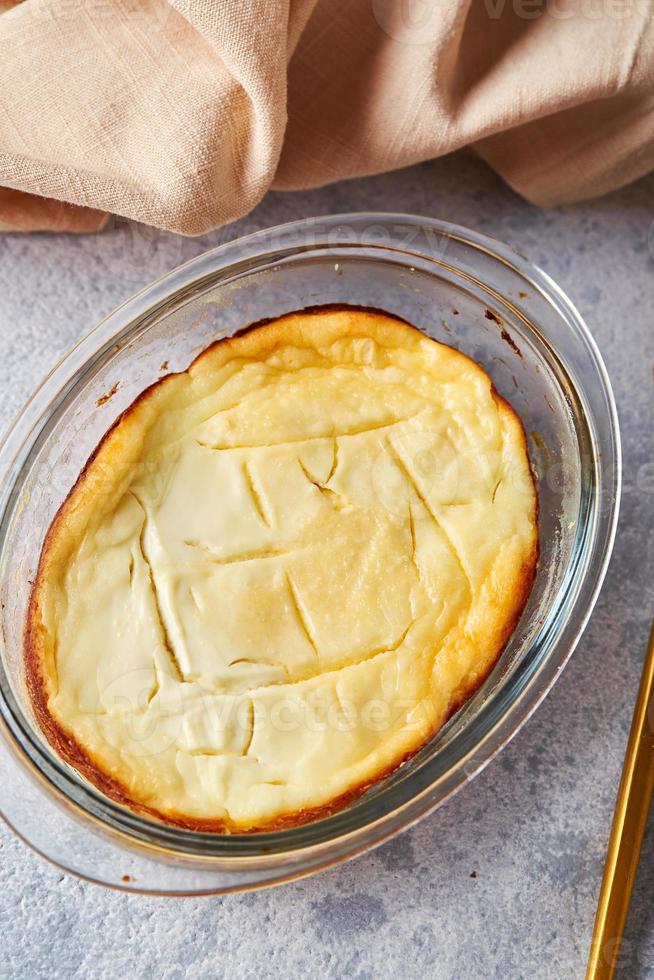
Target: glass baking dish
462	288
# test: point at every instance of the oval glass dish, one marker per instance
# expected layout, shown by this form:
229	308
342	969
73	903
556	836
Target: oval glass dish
465	290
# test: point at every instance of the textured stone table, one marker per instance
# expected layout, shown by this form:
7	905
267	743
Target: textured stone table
533	826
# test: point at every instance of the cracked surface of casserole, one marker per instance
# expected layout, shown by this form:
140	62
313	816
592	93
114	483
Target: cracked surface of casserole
281	571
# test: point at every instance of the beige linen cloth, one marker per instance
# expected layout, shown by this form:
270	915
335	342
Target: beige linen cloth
181	114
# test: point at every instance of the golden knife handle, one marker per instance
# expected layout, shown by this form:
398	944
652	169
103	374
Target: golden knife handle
629	820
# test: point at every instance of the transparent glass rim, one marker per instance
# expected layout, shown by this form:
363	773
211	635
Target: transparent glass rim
368	821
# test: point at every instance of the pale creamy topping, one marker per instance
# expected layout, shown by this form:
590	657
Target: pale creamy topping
285	567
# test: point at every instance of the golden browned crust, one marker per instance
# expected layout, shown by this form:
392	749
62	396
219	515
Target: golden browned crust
75	754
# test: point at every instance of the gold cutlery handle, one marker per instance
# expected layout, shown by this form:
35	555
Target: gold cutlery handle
629	820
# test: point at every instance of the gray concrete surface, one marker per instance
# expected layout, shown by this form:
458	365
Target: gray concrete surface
533	827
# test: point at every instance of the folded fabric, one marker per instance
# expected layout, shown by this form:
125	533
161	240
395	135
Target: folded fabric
182	114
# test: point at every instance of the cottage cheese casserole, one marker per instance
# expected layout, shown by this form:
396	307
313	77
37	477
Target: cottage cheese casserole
281	571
